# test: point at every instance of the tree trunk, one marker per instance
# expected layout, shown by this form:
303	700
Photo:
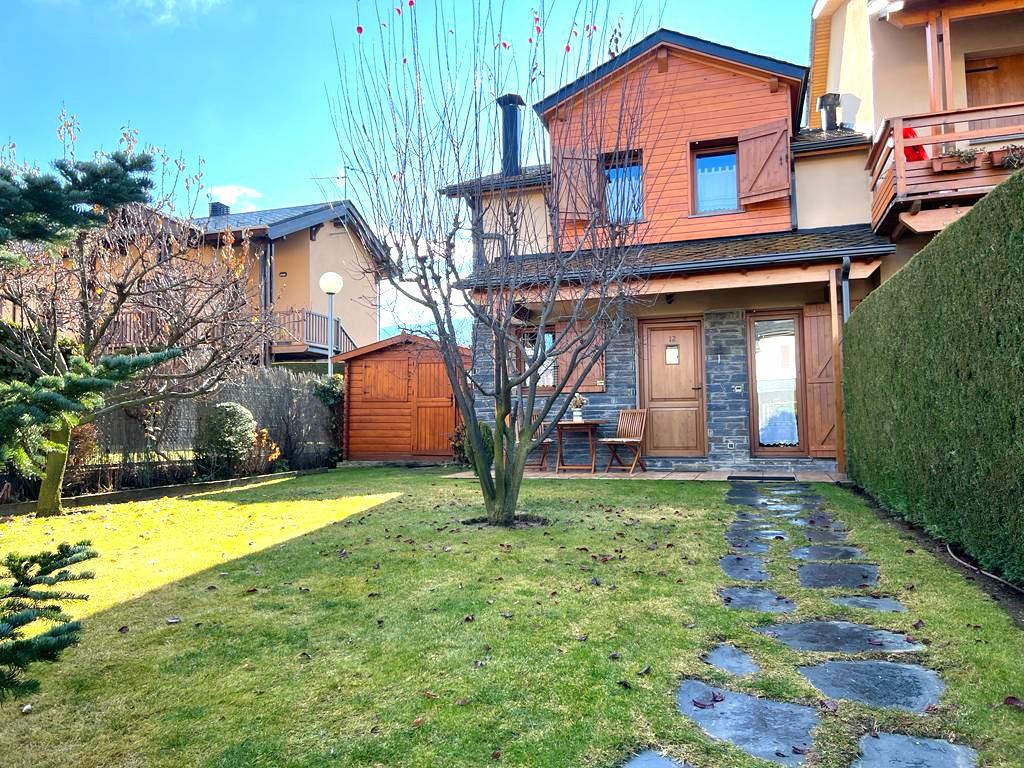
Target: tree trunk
53	479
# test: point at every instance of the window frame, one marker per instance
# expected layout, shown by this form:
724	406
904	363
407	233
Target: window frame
700	149
756	449
533	332
624	159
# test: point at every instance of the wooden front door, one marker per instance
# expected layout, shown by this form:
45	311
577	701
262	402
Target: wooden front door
672	386
433	411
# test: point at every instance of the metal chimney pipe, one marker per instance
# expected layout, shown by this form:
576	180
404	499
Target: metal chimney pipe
828	104
510	103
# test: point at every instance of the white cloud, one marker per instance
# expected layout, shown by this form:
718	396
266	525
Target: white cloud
171	11
241	199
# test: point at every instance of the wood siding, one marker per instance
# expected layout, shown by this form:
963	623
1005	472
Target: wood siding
821	42
820	395
692	99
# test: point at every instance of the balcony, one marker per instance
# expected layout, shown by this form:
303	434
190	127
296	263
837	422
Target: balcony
965	161
297	332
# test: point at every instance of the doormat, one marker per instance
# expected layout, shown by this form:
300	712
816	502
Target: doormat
761	478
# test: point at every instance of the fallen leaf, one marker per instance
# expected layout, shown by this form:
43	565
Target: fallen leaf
918	624
624	684
469	617
1013	701
614	656
124	630
418	722
645	671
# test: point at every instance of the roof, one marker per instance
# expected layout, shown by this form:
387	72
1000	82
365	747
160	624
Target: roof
394	341
529	176
279	222
776	67
818	139
747	251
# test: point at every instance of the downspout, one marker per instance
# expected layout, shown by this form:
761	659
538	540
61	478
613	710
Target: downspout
845	287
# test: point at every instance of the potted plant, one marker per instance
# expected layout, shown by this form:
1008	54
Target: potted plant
1011	156
956	160
577	403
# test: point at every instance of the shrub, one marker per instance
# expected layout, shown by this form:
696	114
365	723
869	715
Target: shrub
264	455
458	443
225	440
487	435
934	385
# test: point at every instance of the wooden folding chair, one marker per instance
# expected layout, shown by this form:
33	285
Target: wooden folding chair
542	450
630	434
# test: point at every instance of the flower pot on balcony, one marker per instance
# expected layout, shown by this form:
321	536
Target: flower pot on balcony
577	414
1011	157
950	163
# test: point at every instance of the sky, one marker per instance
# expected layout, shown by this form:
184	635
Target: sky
243	83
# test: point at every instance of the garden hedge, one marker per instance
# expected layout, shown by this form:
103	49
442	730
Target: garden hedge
934	385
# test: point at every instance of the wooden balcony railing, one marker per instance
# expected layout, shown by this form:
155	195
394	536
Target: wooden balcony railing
897	183
297	327
301	326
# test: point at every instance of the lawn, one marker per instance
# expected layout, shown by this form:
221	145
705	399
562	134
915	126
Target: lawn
349	619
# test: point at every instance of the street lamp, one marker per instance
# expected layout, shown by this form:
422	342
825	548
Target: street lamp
330	283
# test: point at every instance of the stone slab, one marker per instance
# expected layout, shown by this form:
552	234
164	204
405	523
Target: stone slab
744	568
760	727
651	759
839	637
871	603
825	535
893	750
879	684
844	575
821	552
750	599
731	659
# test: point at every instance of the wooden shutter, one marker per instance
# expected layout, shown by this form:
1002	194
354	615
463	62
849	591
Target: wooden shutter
579	186
763	159
594	380
820	400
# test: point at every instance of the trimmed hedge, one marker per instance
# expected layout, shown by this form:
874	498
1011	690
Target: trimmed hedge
934	385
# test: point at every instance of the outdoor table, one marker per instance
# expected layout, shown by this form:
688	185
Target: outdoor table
589	426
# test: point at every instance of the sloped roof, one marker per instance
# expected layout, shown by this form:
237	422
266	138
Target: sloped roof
817	139
663	36
529	176
747	251
394	341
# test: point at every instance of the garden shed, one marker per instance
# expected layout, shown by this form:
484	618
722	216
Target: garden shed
399	404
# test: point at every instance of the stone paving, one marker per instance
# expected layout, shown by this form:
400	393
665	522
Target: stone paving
782	732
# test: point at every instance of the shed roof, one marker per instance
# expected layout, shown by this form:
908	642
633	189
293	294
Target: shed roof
393	341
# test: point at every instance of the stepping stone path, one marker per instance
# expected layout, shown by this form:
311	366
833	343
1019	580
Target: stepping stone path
772	730
871	603
845	575
651	759
781	732
880	684
752	599
731	659
892	750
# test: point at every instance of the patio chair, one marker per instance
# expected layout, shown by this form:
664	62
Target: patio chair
543	449
630	434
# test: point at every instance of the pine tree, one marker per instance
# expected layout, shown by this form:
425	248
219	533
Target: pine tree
34	596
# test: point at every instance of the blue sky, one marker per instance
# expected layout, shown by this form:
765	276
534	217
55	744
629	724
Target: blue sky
241	83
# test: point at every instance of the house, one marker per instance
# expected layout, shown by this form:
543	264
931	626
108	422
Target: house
732	353
926	97
296	245
775	197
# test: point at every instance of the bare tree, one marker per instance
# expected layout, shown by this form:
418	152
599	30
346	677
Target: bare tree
146	281
552	273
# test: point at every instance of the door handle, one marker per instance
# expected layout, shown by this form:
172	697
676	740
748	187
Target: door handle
701	387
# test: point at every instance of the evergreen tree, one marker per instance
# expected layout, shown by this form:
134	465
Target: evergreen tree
36	595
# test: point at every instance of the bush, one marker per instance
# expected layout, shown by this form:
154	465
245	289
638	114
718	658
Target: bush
487	435
934	385
225	440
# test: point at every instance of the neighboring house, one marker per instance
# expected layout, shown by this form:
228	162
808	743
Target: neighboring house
296	245
756	227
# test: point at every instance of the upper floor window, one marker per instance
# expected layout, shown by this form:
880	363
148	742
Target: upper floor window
624	187
715	187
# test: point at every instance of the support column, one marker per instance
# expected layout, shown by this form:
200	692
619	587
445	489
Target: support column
837	369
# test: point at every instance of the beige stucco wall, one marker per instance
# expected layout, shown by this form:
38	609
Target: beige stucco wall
291	272
906	248
336	249
533	235
987	36
832	190
849	70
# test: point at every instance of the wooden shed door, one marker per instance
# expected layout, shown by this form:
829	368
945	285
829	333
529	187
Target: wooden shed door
673	387
821	403
433	411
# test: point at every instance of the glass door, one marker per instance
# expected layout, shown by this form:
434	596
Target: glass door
776	384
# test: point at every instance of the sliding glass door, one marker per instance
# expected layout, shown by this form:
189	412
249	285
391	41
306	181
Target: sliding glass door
776	384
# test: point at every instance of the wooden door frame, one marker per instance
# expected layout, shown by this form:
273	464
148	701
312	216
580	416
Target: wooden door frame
642	325
797	316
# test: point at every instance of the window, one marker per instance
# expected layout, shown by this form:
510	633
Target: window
624	188
776	383
714	181
546	375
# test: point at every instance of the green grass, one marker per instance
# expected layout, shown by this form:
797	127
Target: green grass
312	670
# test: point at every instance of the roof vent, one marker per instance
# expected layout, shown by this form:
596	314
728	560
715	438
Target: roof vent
828	103
510	161
219	209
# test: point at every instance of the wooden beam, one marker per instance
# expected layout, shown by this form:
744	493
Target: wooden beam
947	62
957	9
931	32
837	369
933	220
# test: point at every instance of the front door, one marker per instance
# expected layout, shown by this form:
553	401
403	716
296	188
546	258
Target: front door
672	386
434	410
